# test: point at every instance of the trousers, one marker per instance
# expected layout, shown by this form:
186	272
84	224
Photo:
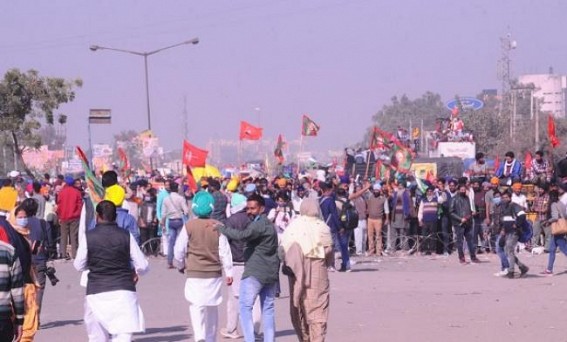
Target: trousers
204	320
97	333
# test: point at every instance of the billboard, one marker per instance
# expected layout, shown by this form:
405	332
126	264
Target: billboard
99	116
462	150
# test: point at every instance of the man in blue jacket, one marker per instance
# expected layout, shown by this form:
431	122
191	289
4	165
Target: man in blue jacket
331	217
510	171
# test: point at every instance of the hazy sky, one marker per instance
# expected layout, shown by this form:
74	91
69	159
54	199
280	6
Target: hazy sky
338	61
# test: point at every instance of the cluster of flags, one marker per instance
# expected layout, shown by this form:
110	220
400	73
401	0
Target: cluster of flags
400	156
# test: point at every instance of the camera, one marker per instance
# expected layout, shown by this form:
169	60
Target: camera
50	273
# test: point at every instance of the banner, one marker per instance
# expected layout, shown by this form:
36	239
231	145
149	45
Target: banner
194	156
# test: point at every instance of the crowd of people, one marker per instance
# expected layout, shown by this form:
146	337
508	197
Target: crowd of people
242	232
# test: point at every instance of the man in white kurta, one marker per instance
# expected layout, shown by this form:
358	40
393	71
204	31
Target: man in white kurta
112	256
203	253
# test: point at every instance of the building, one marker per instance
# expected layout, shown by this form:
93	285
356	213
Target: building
550	90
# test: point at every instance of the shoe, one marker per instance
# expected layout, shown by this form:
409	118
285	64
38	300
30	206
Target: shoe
258	337
510	275
352	262
345	270
232	335
475	261
523	270
547	273
331	269
170	267
502	273
462	261
445	255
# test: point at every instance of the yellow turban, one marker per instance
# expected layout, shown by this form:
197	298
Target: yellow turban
115	194
232	186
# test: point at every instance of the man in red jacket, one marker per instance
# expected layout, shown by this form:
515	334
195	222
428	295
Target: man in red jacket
69	205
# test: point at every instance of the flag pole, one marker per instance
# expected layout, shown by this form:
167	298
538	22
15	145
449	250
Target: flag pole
367	164
299	154
239	153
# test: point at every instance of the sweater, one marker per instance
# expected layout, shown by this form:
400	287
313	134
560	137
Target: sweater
69	204
203	260
11	285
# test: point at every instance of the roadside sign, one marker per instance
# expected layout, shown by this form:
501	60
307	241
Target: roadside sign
99	116
467	102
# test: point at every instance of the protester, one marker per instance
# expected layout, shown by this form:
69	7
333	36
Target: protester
238	220
116	194
461	215
174	210
282	214
147	220
40	199
112	311
513	217
331	218
541	208
444	217
518	197
428	218
400	204
69	206
11	294
479	217
221	202
558	211
31	316
540	169
510	171
479	169
497	239
359	201
261	268
202	253
307	246
38	234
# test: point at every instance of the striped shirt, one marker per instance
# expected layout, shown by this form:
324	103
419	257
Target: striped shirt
11	284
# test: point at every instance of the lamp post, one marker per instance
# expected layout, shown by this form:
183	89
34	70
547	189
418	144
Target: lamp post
146	55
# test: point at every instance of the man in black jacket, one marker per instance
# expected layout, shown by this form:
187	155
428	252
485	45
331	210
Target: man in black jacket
113	269
461	216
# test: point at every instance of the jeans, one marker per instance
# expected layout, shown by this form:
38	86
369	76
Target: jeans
478	230
501	253
175	226
510	249
344	238
556	241
466	231
250	288
360	235
232	311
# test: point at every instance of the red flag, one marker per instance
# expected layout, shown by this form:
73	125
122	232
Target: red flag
191	180
194	156
249	132
430	177
278	152
308	127
528	161
496	163
551	131
123	159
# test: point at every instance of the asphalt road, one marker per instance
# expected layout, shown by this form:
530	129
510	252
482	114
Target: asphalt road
395	299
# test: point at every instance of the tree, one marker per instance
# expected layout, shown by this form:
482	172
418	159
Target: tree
27	99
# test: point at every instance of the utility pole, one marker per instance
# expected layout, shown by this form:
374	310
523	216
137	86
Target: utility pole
507	44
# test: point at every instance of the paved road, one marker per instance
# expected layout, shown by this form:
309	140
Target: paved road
395	299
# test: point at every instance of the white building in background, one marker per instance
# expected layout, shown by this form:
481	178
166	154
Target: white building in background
550	90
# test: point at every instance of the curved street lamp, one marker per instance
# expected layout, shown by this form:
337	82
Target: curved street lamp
193	41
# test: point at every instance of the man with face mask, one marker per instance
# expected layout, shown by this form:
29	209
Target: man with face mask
444	218
512	218
479	216
461	215
541	208
497	240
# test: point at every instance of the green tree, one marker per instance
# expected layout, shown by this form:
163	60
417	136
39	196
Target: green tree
26	101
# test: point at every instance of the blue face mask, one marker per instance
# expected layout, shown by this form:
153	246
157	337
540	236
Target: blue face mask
22	222
496	200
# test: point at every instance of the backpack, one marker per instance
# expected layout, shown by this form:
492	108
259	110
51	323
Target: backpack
348	217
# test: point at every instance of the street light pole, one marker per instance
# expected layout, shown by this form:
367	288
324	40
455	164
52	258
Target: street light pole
146	55
147	93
